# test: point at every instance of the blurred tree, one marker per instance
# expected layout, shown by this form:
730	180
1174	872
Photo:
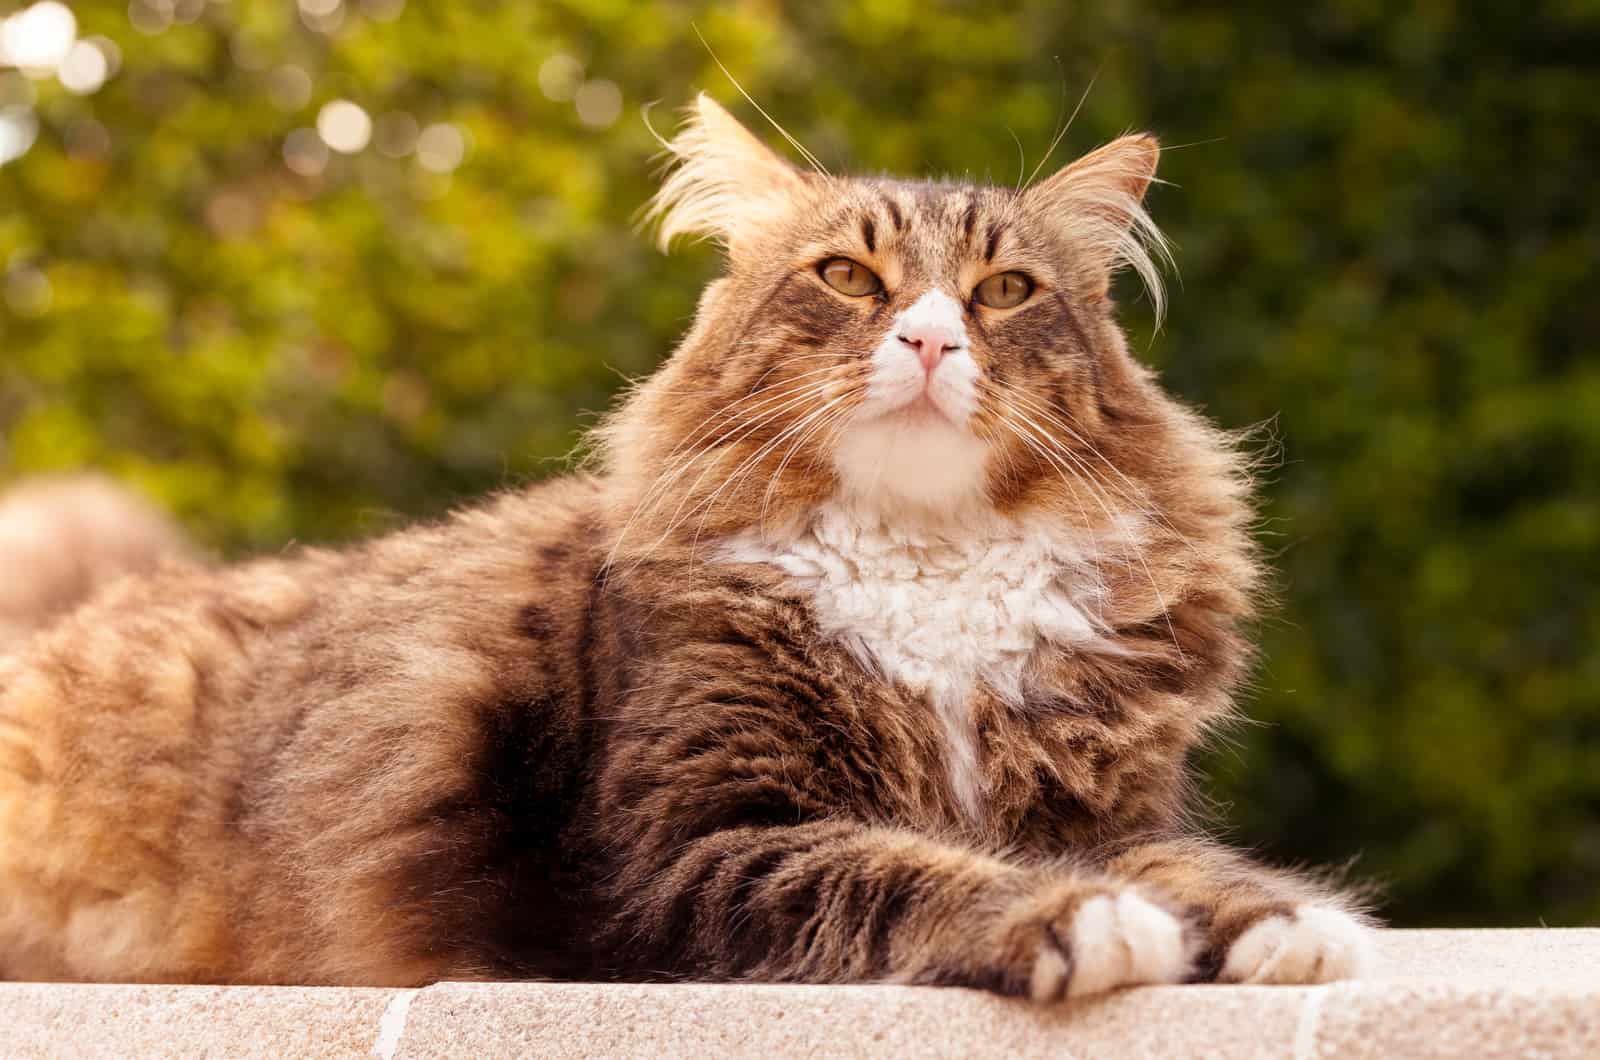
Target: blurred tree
1384	219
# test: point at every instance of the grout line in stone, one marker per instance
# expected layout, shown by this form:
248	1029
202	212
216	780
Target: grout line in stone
392	1025
1309	1023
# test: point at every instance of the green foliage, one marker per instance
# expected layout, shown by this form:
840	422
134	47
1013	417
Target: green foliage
1388	239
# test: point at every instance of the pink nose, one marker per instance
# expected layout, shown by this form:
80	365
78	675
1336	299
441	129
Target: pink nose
931	341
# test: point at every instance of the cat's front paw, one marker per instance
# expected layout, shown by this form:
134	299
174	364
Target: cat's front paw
1109	940
1316	944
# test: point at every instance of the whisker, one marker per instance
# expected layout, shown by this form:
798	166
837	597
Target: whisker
766	499
815	162
758	396
772	403
1062	132
752	420
679	515
1137	499
749	465
1135	551
1067	479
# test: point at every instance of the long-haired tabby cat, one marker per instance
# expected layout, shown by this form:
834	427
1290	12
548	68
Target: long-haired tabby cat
873	652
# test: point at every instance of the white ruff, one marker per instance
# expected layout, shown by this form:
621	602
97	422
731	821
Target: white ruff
940	612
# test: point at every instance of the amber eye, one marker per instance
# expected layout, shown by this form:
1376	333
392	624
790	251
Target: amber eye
1003	290
849	277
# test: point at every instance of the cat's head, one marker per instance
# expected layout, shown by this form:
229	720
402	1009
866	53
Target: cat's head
931	349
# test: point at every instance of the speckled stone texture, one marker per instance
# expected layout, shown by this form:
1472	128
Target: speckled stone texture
1525	993
53	1020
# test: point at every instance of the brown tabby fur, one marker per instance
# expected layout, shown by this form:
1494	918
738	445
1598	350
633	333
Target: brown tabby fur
551	737
61	539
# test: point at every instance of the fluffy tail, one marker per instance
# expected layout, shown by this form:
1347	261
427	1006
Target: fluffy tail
62	539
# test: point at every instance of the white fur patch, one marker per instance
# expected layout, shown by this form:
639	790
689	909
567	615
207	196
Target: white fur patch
911	462
898	376
941	611
907	443
1317	945
1123	941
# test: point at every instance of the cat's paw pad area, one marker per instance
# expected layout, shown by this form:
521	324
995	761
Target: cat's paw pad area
1318	944
1112	940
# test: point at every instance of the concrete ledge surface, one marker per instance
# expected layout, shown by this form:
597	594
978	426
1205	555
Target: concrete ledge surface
1502	993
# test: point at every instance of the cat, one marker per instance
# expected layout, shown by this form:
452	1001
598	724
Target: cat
63	538
871	649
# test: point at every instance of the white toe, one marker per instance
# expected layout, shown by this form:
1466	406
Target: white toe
1124	940
1050	971
1318	944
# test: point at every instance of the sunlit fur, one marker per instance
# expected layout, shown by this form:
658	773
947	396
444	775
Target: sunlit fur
1041	441
62	539
781	372
873	649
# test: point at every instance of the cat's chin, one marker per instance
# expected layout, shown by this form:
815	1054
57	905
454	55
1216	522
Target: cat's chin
913	461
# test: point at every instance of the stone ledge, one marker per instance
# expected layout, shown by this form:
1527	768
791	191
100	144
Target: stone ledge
1533	993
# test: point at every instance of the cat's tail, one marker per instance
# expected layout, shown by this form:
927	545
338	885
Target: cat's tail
64	538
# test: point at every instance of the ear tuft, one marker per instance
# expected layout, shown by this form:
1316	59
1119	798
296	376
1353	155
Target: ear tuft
722	182
1099	203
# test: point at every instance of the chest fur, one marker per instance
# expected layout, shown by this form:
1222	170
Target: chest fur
941	614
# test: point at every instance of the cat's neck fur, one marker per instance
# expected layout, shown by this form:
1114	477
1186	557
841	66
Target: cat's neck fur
943	608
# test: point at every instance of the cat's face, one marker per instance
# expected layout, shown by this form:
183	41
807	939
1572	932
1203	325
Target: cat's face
925	348
948	326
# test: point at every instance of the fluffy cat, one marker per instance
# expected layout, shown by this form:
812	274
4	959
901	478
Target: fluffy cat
61	539
873	652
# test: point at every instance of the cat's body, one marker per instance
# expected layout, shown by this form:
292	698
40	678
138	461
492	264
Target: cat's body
802	687
61	539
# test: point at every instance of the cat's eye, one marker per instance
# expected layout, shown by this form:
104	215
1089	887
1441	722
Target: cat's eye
849	277
1003	290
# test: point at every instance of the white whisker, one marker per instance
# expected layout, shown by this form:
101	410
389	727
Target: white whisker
750	421
751	462
1136	551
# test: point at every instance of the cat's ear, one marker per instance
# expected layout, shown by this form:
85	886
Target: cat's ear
724	184
1098	204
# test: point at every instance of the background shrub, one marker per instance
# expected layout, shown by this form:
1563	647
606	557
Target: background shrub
1388	238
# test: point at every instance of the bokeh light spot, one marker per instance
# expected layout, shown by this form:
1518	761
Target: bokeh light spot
344	126
38	38
289	87
322	16
84	69
396	134
18	128
559	77
88	140
305	153
599	103
149	16
441	148
231	214
185	12
110	50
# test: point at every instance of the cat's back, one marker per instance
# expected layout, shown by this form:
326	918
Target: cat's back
198	756
62	538
315	625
